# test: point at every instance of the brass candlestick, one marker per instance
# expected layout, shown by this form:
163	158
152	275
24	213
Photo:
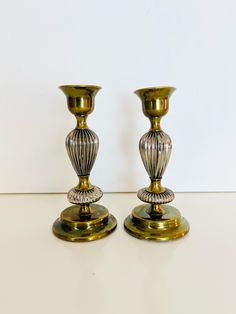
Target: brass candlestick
155	220
84	221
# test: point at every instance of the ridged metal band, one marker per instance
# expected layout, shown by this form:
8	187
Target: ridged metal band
156	198
84	197
82	146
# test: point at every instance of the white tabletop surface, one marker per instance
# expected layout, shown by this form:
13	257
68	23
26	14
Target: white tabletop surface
118	274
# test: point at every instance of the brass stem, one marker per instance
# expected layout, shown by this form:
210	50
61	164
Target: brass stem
156	210
84	184
155	186
155	123
85	210
81	122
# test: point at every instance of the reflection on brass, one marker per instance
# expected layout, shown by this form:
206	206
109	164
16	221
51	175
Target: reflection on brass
83	221
155	220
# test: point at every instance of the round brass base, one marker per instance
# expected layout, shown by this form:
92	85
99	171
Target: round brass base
169	226
75	228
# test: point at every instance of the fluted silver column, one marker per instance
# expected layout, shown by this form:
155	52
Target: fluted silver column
82	146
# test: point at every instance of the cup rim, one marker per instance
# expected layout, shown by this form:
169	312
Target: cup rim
168	90
77	86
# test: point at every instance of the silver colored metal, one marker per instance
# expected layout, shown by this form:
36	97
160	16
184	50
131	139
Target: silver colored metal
164	197
76	196
82	147
155	149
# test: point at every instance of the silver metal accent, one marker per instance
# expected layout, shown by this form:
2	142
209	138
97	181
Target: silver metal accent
75	196
155	149
156	198
82	146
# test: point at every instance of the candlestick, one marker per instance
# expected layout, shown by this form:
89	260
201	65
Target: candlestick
155	220
84	221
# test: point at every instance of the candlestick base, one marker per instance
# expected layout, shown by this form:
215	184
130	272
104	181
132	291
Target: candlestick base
144	224
74	227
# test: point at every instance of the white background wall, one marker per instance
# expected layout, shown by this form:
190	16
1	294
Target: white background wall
120	45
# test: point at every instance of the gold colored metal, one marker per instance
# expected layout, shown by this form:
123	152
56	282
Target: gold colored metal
80	224
81	122
156	220
155	186
164	227
155	100
84	184
83	221
155	123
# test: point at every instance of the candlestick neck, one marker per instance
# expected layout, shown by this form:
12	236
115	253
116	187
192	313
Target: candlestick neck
84	184
155	124
155	186
81	122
